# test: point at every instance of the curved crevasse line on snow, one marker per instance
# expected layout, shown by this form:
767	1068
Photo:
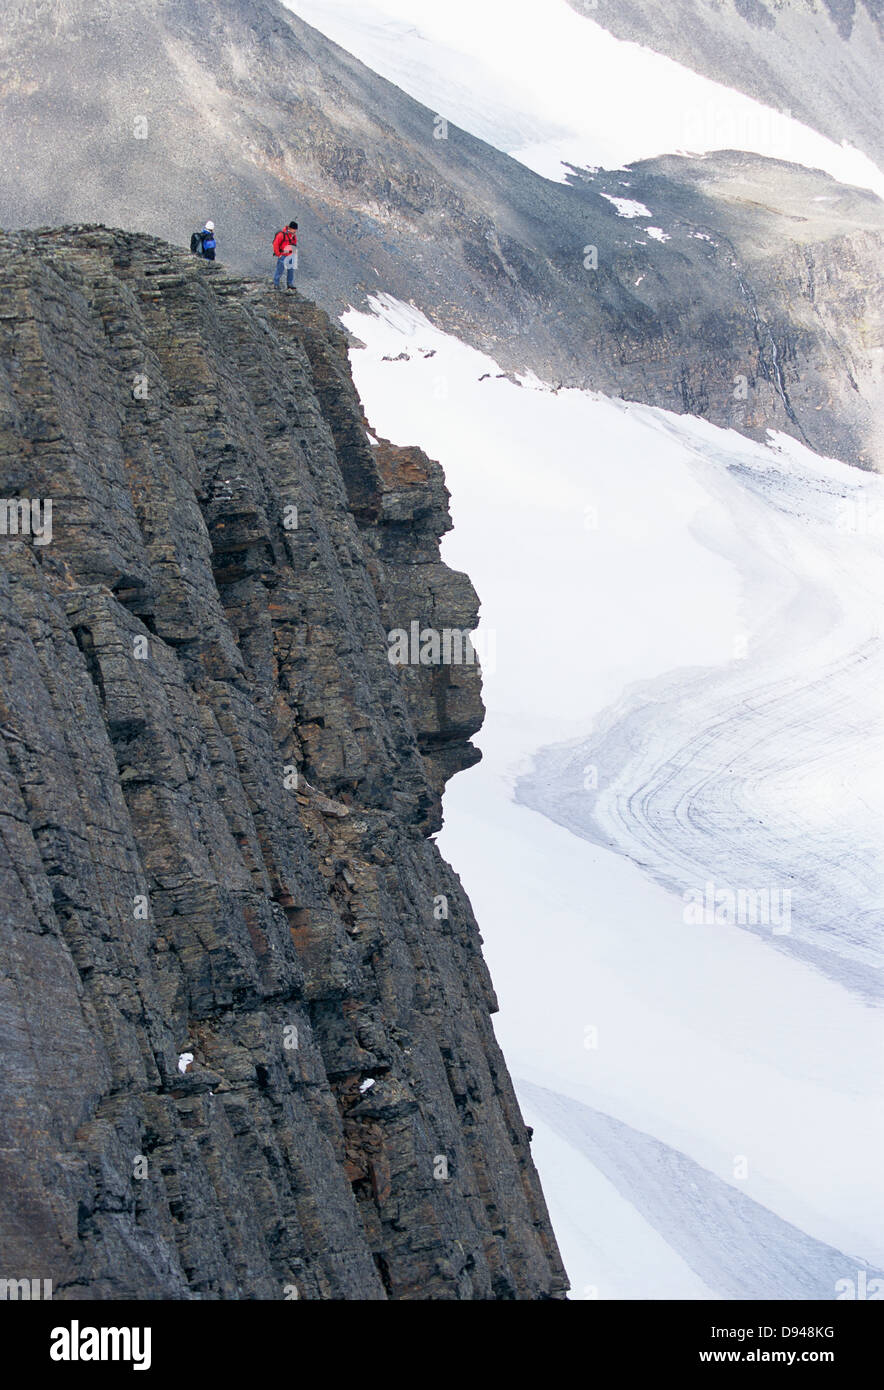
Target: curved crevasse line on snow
753	789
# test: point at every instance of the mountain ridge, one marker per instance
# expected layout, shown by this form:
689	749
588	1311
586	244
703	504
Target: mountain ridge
250	116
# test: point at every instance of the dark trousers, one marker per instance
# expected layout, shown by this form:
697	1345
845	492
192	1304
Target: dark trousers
280	267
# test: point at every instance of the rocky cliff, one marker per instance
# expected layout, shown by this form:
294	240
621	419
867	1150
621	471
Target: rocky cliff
217	801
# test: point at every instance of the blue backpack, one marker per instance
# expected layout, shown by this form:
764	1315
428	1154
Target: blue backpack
208	241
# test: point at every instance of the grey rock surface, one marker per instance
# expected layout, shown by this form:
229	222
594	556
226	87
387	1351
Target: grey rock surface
217	798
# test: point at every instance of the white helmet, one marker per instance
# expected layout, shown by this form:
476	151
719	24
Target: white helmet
210	226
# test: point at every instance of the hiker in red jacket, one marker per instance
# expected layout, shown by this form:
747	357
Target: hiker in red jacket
285	249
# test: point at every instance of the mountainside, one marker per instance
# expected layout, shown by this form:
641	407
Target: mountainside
244	1011
745	290
821	59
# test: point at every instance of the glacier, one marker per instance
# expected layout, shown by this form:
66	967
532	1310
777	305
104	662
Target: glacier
686	688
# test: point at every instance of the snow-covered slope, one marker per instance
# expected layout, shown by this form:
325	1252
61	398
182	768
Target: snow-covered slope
551	87
694	1225
821	58
613	544
761	776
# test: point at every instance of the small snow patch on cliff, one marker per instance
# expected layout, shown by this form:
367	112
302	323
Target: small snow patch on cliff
628	207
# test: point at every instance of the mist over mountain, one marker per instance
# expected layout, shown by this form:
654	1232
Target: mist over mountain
157	115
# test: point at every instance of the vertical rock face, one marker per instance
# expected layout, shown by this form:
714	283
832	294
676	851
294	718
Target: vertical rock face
216	798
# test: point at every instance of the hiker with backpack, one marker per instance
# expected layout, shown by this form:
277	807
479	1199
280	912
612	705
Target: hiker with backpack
203	243
285	249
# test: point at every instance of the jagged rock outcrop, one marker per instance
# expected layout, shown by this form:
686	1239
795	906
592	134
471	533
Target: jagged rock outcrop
173	111
217	797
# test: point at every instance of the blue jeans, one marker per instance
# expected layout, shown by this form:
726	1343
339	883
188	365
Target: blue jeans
280	267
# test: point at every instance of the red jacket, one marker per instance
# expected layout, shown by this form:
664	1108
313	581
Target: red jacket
285	242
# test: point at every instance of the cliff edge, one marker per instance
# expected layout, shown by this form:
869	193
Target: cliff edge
217	798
